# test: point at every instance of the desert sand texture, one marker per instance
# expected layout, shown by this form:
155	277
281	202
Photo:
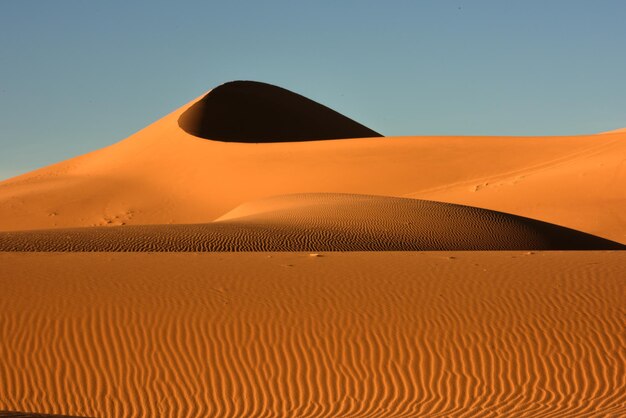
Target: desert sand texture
257	254
324	222
374	334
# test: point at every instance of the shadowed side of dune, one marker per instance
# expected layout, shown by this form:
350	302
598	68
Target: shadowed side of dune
324	222
248	111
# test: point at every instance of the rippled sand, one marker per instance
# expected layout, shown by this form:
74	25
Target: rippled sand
317	335
324	222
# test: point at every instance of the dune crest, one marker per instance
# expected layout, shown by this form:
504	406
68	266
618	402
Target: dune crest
615	131
250	111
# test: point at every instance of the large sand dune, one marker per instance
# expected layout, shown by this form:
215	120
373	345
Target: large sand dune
315	332
488	334
324	222
164	175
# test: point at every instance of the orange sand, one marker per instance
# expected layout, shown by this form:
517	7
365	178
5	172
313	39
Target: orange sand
293	335
315	333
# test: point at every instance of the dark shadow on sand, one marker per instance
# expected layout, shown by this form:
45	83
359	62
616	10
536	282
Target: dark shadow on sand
253	112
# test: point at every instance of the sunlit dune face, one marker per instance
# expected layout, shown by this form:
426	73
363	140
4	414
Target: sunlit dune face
253	112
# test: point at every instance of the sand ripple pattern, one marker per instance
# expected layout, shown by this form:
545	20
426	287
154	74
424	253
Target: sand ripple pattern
289	335
324	222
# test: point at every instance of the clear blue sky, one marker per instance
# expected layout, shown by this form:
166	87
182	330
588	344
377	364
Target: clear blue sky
77	75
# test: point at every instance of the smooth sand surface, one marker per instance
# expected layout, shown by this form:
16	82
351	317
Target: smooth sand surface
376	334
164	175
324	222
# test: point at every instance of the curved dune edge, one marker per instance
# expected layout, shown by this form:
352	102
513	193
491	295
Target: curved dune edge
504	334
325	222
614	131
254	112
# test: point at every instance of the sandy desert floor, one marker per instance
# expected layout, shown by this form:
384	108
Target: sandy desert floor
256	254
385	334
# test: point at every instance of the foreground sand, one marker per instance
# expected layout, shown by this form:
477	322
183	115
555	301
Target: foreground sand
447	334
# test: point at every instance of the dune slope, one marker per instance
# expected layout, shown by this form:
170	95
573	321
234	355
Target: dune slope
487	334
324	222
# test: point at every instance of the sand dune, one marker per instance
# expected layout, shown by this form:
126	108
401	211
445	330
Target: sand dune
487	334
324	222
316	331
410	224
249	111
164	175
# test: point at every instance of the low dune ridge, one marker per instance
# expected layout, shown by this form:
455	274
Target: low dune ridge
325	222
250	111
380	334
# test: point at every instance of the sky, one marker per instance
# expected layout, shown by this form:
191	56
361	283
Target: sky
78	75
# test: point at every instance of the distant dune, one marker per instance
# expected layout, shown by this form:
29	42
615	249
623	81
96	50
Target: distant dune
615	131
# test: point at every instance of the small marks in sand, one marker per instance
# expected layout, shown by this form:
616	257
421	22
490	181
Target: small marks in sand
118	219
508	182
480	186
